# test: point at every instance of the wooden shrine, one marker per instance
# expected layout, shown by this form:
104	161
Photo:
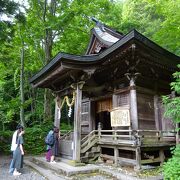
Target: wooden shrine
117	86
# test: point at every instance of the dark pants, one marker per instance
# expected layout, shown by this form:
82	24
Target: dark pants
11	168
48	155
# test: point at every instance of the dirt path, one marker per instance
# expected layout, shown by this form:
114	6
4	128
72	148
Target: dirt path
27	173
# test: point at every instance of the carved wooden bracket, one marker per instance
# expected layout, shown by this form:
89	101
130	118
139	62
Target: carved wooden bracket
132	77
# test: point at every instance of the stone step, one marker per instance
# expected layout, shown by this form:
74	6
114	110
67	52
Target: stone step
54	170
47	173
65	168
44	164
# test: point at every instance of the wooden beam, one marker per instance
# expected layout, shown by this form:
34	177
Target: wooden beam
121	160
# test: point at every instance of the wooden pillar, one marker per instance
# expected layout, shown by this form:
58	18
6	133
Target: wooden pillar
138	158
156	112
92	115
133	102
57	115
77	123
161	156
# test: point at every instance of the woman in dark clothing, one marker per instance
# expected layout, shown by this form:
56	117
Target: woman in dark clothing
18	155
50	144
53	150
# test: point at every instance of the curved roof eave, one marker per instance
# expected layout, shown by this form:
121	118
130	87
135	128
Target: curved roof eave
105	37
76	59
88	60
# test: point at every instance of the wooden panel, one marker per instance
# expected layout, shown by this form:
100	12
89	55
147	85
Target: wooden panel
123	99
145	105
85	117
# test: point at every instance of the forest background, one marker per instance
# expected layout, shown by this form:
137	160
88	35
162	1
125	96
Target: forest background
33	31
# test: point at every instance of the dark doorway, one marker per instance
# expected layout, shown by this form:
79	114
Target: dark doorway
104	118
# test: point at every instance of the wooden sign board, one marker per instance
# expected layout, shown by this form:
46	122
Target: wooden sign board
120	117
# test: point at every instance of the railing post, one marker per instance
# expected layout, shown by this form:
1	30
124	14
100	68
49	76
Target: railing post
161	156
116	155
158	135
99	130
138	158
116	151
138	150
115	135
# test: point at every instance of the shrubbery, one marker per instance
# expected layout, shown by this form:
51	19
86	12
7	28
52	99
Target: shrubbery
34	138
5	141
171	169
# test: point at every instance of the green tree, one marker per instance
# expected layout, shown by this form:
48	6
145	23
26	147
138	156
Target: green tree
171	168
168	33
61	26
7	10
64	26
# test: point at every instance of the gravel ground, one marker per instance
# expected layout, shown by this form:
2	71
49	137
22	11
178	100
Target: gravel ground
95	176
27	173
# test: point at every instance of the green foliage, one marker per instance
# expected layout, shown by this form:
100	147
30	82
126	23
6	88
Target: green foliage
65	126
144	174
171	169
168	34
70	27
7	9
34	139
141	15
172	105
5	139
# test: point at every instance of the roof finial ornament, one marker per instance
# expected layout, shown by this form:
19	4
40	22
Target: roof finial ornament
98	23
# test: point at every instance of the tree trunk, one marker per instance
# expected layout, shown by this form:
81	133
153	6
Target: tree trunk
47	105
22	87
47	93
48	55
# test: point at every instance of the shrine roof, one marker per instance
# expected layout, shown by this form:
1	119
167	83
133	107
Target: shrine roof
106	36
70	61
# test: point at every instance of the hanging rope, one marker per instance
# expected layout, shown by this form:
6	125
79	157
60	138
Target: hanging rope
66	99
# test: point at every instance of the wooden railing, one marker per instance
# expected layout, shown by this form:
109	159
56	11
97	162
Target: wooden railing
122	137
127	137
65	134
88	141
117	137
135	137
130	139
